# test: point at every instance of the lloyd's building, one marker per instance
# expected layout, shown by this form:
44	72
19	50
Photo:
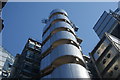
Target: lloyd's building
61	55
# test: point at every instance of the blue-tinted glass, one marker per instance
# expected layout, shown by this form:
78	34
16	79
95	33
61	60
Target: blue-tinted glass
100	20
103	25
108	27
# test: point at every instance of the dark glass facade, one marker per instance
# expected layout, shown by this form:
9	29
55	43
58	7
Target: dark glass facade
27	64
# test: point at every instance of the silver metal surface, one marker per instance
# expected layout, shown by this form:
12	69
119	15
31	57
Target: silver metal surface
57	25
60	51
58	36
45	62
56	17
101	49
59	16
64	56
46	46
61	24
114	70
63	35
101	65
65	49
58	10
70	71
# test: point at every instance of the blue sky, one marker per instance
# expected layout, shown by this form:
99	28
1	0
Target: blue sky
23	20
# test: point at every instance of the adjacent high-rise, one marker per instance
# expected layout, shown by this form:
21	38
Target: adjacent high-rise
27	64
61	54
106	55
6	62
108	22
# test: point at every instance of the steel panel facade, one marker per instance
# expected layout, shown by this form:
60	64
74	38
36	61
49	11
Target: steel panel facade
116	71
57	25
63	35
58	10
70	71
58	36
45	62
65	49
56	17
61	50
46	46
64	58
59	16
101	65
61	24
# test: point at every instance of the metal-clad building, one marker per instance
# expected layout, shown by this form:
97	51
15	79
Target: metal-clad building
61	52
108	22
106	57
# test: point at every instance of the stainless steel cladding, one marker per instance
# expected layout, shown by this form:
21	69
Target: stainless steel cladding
61	53
58	11
70	71
66	52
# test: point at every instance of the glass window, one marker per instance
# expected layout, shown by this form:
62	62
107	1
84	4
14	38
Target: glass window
38	45
103	25
100	20
31	44
108	56
30	54
35	70
96	56
27	67
104	61
116	67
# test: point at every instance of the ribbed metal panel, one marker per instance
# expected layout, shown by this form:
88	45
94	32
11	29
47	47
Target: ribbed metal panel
57	36
68	50
70	71
56	17
60	24
59	16
61	53
58	10
114	70
46	46
63	35
45	62
101	65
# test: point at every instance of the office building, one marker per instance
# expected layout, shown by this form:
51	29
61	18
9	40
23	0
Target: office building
27	64
108	22
6	62
106	57
61	53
